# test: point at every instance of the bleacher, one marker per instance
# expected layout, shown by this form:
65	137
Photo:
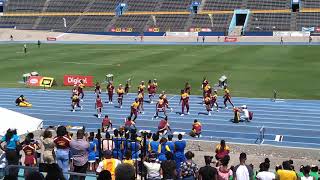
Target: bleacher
18	22
175	5
267	4
173	23
56	23
25	5
222	5
308	20
310	3
104	6
136	22
92	24
67	5
217	24
142	5
269	22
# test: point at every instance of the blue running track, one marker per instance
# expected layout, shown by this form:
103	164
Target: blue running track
297	120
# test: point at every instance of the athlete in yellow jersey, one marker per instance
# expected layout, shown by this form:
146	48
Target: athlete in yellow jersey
141	87
214	100
120	92
227	97
185	102
140	99
134	109
207	102
160	107
75	102
80	89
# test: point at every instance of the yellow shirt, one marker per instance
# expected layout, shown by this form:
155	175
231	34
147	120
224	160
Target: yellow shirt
207	87
81	85
141	87
140	95
226	148
226	91
207	99
130	161
286	175
214	96
184	95
75	97
135	105
120	91
155	84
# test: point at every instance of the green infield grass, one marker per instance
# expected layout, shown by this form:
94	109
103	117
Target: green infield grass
252	71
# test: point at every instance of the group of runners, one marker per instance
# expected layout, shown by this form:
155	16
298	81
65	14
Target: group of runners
210	97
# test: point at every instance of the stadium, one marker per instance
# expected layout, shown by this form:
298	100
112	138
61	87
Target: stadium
165	82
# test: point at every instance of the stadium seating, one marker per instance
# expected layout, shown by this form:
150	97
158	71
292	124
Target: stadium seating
92	24
67	5
218	22
135	22
25	5
175	5
310	4
267	4
171	22
19	22
269	22
308	20
222	5
56	23
142	5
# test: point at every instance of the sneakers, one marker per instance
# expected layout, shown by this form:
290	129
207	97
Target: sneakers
226	107
120	107
209	114
217	110
141	112
111	103
81	100
81	107
171	109
188	113
99	115
73	110
182	115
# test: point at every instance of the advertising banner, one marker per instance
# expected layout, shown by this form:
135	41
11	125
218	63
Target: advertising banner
230	39
34	81
71	80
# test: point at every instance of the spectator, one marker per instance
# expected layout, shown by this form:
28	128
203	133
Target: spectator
164	126
118	145
48	144
314	172
153	167
189	169
208	172
148	140
129	125
11	150
134	146
125	172
104	175
168	167
163	149
222	150
170	144
54	172
79	149
30	158
154	144
108	163
224	173
62	143
306	173
300	173
179	157
128	158
264	173
107	143
286	173
35	175
243	171
92	151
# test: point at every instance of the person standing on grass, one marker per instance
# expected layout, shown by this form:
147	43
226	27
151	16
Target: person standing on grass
127	87
203	39
243	171
80	149
310	39
185	102
110	89
120	92
39	43
227	97
25	48
281	40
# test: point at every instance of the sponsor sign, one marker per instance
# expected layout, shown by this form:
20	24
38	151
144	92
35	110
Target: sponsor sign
230	39
307	29
153	30
71	80
51	39
291	33
46	82
118	29
182	34
200	30
317	29
34	81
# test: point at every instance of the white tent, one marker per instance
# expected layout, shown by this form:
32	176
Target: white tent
15	120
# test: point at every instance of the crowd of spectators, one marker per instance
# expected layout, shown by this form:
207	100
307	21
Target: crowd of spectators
127	155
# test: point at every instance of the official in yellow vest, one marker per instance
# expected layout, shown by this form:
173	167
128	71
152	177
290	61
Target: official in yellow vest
108	163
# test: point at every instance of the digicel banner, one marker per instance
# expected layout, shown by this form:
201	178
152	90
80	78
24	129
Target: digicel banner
34	81
70	80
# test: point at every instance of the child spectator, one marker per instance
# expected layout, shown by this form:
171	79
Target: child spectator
264	173
224	172
222	150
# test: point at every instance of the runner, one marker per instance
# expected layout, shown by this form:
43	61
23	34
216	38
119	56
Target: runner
151	90
166	102
160	107
127	87
185	102
187	88
155	83
214	99
207	102
106	123
99	106
140	99
75	90
80	89
207	91
120	93
141	88
97	90
204	84
134	109
75	102
227	97
110	89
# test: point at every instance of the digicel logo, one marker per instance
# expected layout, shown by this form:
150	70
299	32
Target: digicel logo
34	81
76	80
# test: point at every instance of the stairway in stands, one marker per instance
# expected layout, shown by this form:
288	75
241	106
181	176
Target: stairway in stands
38	20
76	23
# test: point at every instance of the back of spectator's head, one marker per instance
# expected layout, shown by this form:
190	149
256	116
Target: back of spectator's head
170	136
243	157
121	133
306	170
301	168
134	137
222	143
225	160
314	168
30	135
107	154
54	172
286	165
278	167
180	136
107	135
149	135
189	155
9	134
152	157
155	137
91	134
104	175
80	134
61	131
116	132
169	155
195	121
208	160
163	140
47	134
106	116
125	172
34	175
27	141
128	154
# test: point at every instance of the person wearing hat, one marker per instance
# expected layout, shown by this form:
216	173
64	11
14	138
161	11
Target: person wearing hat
110	89
108	163
245	113
22	102
153	167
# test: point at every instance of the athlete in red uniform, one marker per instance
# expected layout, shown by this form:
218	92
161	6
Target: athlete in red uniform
134	109
185	102
97	90
187	88
99	106
227	97
160	107
75	102
151	90
120	93
75	91
141	88
214	100
207	102
166	102
80	89
140	99
110	89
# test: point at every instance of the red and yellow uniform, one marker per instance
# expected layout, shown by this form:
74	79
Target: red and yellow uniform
185	102
187	89
151	88
160	107
207	89
134	109
120	92
99	104
155	84
161	104
141	88
227	97
207	100
140	98
197	127
126	88
110	89
227	93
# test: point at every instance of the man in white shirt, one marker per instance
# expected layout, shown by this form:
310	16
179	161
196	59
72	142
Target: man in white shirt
153	167
243	171
245	113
